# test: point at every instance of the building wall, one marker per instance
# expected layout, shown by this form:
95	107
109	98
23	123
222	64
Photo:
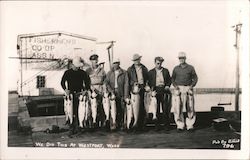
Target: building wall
45	48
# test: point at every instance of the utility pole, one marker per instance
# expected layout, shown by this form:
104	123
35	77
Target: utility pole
237	47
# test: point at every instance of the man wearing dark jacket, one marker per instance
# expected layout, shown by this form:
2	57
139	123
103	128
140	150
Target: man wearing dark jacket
138	73
77	81
160	81
117	83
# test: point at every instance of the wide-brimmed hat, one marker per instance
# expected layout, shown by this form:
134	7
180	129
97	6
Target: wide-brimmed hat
136	57
77	61
182	55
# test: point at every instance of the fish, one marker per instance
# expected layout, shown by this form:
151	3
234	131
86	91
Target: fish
153	105
135	99
177	102
68	108
82	109
147	99
106	105
93	102
113	111
129	112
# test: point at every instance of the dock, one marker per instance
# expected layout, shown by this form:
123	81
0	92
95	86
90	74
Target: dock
205	135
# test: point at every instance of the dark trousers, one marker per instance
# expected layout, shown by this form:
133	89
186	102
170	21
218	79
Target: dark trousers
163	98
100	111
120	110
142	111
75	123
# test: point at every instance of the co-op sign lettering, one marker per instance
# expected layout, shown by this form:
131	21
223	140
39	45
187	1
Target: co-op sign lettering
45	47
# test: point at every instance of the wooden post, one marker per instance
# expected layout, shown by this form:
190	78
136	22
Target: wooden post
237	47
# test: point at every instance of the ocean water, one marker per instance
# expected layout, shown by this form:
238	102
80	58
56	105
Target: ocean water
204	102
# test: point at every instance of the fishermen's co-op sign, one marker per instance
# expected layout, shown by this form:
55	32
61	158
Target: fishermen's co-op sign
42	51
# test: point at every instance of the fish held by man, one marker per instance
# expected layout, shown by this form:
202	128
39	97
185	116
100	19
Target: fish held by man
106	105
68	108
135	99
153	105
93	101
113	111
129	112
82	116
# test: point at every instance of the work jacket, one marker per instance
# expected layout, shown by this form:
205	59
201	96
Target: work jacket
122	81
152	77
133	76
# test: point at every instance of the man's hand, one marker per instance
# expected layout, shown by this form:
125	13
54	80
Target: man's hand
127	100
66	91
190	87
166	88
92	88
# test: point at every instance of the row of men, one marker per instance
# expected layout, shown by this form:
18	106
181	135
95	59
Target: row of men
120	82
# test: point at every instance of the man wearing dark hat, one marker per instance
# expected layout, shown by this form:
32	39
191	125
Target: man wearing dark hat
138	73
160	81
97	76
77	81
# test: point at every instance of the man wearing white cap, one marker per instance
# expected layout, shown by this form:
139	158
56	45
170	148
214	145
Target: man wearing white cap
117	83
184	78
77	80
138	73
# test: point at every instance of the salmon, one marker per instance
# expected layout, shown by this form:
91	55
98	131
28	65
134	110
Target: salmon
68	108
129	113
147	99
106	104
177	102
153	105
190	103
93	102
135	100
113	111
82	116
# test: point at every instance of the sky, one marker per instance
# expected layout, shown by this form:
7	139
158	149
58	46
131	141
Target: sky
163	28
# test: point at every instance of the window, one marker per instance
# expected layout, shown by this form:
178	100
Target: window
40	83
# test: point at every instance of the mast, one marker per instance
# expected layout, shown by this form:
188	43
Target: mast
237	47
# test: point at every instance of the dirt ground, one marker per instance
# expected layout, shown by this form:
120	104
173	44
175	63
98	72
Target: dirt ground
205	138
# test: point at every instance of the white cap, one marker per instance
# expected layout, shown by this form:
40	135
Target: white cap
77	61
182	54
116	60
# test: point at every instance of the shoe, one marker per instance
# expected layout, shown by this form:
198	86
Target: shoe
190	130
179	130
167	129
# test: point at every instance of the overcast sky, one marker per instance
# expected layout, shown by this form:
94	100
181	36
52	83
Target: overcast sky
201	29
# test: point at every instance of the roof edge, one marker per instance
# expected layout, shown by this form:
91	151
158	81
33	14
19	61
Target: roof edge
55	33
